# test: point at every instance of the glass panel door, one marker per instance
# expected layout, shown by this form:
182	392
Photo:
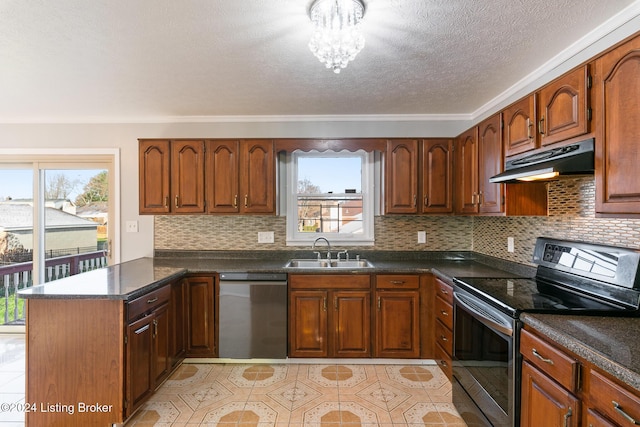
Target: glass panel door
16	240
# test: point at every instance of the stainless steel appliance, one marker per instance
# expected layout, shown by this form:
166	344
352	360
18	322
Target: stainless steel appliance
252	316
571	277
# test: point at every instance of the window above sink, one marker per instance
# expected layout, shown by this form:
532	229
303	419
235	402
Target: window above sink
330	194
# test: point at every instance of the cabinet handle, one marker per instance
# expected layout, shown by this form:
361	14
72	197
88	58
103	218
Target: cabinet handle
166	201
152	300
426	200
379	304
443	363
324	304
235	201
567	416
443	338
335	303
473	198
621	411
415	200
177	204
246	200
539	356
444	313
444	291
529	126
397	282
480	197
155	328
541	126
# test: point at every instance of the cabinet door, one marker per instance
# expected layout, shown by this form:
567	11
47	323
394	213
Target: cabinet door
397	324
139	381
563	107
200	326
401	176
308	324
519	127
351	323
154	159
545	403
178	322
257	176
618	131
466	170
187	176
491	162
437	175
223	176
160	355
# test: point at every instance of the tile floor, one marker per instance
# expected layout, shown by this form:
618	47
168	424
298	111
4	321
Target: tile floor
273	395
292	394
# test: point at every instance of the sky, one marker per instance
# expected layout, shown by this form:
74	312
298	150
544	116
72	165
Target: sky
331	174
18	183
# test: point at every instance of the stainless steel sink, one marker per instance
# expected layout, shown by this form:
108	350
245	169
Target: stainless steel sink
322	264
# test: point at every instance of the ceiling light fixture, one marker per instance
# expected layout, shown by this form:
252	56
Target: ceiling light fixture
336	38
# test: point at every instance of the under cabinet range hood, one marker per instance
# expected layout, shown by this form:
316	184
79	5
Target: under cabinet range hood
572	159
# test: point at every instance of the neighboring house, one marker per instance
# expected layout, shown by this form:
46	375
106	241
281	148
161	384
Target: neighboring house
64	205
63	230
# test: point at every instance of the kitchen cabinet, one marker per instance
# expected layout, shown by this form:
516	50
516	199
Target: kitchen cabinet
418	176
147	356
397	316
466	172
557	112
200	316
171	176
178	333
611	403
549	384
240	176
444	325
490	162
617	105
329	316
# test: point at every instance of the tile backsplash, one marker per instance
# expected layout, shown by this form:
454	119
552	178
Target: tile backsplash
571	216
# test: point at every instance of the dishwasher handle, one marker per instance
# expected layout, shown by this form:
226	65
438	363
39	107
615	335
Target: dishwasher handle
253	282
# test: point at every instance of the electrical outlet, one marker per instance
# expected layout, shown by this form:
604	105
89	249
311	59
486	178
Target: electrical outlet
265	237
132	226
422	237
510	244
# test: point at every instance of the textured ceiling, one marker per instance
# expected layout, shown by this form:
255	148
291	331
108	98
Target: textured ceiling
112	60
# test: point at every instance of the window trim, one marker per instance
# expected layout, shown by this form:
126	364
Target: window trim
367	238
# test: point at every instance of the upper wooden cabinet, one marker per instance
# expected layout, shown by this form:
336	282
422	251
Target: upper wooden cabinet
564	107
401	176
240	176
214	176
617	103
557	112
466	175
490	163
418	176
171	176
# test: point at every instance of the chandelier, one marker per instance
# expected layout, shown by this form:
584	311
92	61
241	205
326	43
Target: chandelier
336	38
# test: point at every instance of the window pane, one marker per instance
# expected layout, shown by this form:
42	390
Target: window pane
318	214
16	241
76	208
327	175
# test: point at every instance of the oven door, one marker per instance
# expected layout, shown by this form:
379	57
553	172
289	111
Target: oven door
485	362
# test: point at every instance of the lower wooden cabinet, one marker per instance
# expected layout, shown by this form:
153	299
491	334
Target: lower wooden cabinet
397	316
330	322
200	316
443	310
178	332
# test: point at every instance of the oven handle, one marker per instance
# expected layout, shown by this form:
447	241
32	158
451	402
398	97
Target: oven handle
484	314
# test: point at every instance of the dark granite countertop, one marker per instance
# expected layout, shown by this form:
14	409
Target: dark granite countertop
610	343
124	281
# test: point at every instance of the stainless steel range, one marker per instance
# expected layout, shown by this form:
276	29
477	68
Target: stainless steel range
571	277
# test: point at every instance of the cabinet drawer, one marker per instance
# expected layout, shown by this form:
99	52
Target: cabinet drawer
444	312
148	302
444	361
612	400
397	281
444	337
329	281
549	359
444	291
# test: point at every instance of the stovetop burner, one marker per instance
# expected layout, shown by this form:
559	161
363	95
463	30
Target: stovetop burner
572	278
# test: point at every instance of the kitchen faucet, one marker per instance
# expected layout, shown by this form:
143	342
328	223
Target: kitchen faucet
328	247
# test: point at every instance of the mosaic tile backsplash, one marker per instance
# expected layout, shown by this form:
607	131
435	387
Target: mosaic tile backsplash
571	216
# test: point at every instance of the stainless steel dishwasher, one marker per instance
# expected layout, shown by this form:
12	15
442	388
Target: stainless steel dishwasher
253	316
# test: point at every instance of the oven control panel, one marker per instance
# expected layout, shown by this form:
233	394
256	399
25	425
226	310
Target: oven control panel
552	253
